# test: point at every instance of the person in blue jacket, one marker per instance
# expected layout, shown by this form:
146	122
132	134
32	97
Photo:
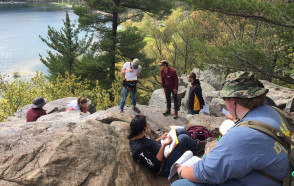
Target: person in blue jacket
244	155
195	99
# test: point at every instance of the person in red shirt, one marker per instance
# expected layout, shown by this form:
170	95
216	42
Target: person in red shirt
169	82
37	110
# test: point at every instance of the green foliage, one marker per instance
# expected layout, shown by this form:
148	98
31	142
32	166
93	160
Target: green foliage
104	18
275	12
18	93
234	38
67	48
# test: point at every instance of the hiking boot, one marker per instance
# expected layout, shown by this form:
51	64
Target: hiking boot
136	109
176	114
121	111
167	112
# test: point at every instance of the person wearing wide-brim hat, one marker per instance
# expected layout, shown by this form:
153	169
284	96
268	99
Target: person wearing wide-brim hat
243	156
170	83
37	109
131	71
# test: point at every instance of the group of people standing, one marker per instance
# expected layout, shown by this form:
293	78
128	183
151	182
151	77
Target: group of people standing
170	84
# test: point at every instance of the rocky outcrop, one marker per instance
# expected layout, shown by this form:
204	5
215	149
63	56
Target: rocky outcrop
73	148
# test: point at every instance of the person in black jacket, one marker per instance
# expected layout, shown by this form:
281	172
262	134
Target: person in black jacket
195	99
150	152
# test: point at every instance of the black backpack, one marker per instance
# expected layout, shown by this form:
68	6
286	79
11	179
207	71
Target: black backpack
286	140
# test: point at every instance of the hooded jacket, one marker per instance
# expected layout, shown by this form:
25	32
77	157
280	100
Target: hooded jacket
195	99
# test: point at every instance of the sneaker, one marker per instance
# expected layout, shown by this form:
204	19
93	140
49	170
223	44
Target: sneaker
176	114
136	109
167	112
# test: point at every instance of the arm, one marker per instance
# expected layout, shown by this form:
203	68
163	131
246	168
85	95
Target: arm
162	79
148	159
176	82
191	99
160	154
198	92
123	70
139	71
162	137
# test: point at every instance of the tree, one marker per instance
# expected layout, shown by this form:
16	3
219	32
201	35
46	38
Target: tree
105	17
68	48
248	35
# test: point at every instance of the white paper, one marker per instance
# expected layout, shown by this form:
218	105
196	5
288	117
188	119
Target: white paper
131	76
225	112
206	109
187	159
225	126
169	148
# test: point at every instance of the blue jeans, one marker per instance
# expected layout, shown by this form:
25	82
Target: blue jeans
185	182
125	95
185	142
194	112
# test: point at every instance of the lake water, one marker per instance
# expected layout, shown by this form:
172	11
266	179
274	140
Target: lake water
20	27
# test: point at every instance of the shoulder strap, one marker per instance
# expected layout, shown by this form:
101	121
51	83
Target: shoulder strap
131	65
269	130
270	177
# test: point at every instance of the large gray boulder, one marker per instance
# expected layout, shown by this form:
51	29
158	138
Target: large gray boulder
158	97
72	148
282	96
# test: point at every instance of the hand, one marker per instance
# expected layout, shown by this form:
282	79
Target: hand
168	141
137	74
163	136
130	70
181	168
164	89
175	91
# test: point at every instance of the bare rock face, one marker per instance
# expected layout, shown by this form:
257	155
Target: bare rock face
61	152
158	97
73	148
282	96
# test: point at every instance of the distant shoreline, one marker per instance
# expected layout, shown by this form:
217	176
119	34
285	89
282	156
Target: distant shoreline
13	2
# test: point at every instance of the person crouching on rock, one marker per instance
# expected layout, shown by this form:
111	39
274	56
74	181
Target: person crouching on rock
81	104
151	153
37	110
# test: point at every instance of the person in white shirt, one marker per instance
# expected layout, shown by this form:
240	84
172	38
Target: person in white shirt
131	70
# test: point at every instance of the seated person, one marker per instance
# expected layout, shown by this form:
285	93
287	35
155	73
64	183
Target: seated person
37	110
151	153
81	104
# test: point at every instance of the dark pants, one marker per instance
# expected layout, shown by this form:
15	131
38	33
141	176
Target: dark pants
168	92
194	112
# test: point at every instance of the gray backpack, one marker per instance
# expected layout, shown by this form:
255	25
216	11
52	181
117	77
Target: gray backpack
286	140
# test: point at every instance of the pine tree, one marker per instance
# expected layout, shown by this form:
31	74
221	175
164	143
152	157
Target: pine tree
104	17
67	48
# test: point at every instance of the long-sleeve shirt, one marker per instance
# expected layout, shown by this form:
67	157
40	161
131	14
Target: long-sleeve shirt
169	78
195	99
